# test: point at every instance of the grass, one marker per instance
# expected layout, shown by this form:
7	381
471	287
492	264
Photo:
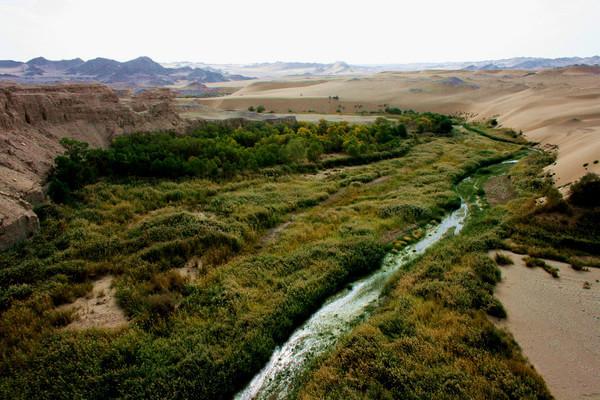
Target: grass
431	338
206	338
557	230
533	262
502	259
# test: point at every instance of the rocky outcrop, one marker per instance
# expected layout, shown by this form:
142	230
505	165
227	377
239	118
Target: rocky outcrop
17	220
33	119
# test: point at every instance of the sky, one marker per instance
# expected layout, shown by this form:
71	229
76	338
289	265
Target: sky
247	31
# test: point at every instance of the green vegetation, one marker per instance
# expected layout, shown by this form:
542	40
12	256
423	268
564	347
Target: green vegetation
586	192
274	239
431	337
218	152
393	110
501	259
533	262
559	229
498	134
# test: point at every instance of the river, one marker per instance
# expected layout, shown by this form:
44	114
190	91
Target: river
337	316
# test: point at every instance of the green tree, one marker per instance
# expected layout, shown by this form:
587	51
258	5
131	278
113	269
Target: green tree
295	150
401	131
314	151
444	126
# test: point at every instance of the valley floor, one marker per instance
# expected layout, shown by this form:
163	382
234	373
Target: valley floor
213	275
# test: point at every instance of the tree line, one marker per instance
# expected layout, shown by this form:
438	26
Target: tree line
216	151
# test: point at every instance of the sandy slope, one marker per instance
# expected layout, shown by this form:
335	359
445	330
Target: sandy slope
557	324
555	107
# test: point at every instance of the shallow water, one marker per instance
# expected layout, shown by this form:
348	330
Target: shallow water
337	317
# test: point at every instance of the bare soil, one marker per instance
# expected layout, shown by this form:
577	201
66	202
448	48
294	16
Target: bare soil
99	309
556	322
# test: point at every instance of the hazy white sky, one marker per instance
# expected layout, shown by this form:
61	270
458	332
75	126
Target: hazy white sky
241	31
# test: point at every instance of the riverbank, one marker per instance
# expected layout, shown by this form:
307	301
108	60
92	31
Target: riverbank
556	322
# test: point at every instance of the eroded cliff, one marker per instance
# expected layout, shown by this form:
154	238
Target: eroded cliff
33	119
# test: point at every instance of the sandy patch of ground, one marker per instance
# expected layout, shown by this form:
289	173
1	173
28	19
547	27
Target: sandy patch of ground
557	324
97	310
191	269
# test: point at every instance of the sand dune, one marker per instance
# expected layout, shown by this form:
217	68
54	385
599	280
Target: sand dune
554	107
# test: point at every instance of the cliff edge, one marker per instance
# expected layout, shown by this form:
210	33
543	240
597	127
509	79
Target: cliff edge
33	119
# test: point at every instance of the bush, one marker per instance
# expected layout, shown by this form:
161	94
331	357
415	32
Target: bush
393	110
586	192
502	259
444	126
496	309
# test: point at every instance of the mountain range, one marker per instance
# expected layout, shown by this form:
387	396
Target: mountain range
140	72
281	69
145	72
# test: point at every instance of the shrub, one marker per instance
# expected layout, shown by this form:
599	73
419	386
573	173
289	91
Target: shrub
502	259
496	309
161	305
444	126
532	262
586	192
260	109
393	110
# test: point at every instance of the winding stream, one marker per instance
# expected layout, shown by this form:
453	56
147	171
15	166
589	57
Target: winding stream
337	316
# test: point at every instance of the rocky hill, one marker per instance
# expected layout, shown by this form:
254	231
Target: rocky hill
33	119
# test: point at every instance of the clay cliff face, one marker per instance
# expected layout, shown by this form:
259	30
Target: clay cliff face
33	119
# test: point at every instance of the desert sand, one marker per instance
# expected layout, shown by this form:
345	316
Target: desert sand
558	107
557	324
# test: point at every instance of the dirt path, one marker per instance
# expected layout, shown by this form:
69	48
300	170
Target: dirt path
557	324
